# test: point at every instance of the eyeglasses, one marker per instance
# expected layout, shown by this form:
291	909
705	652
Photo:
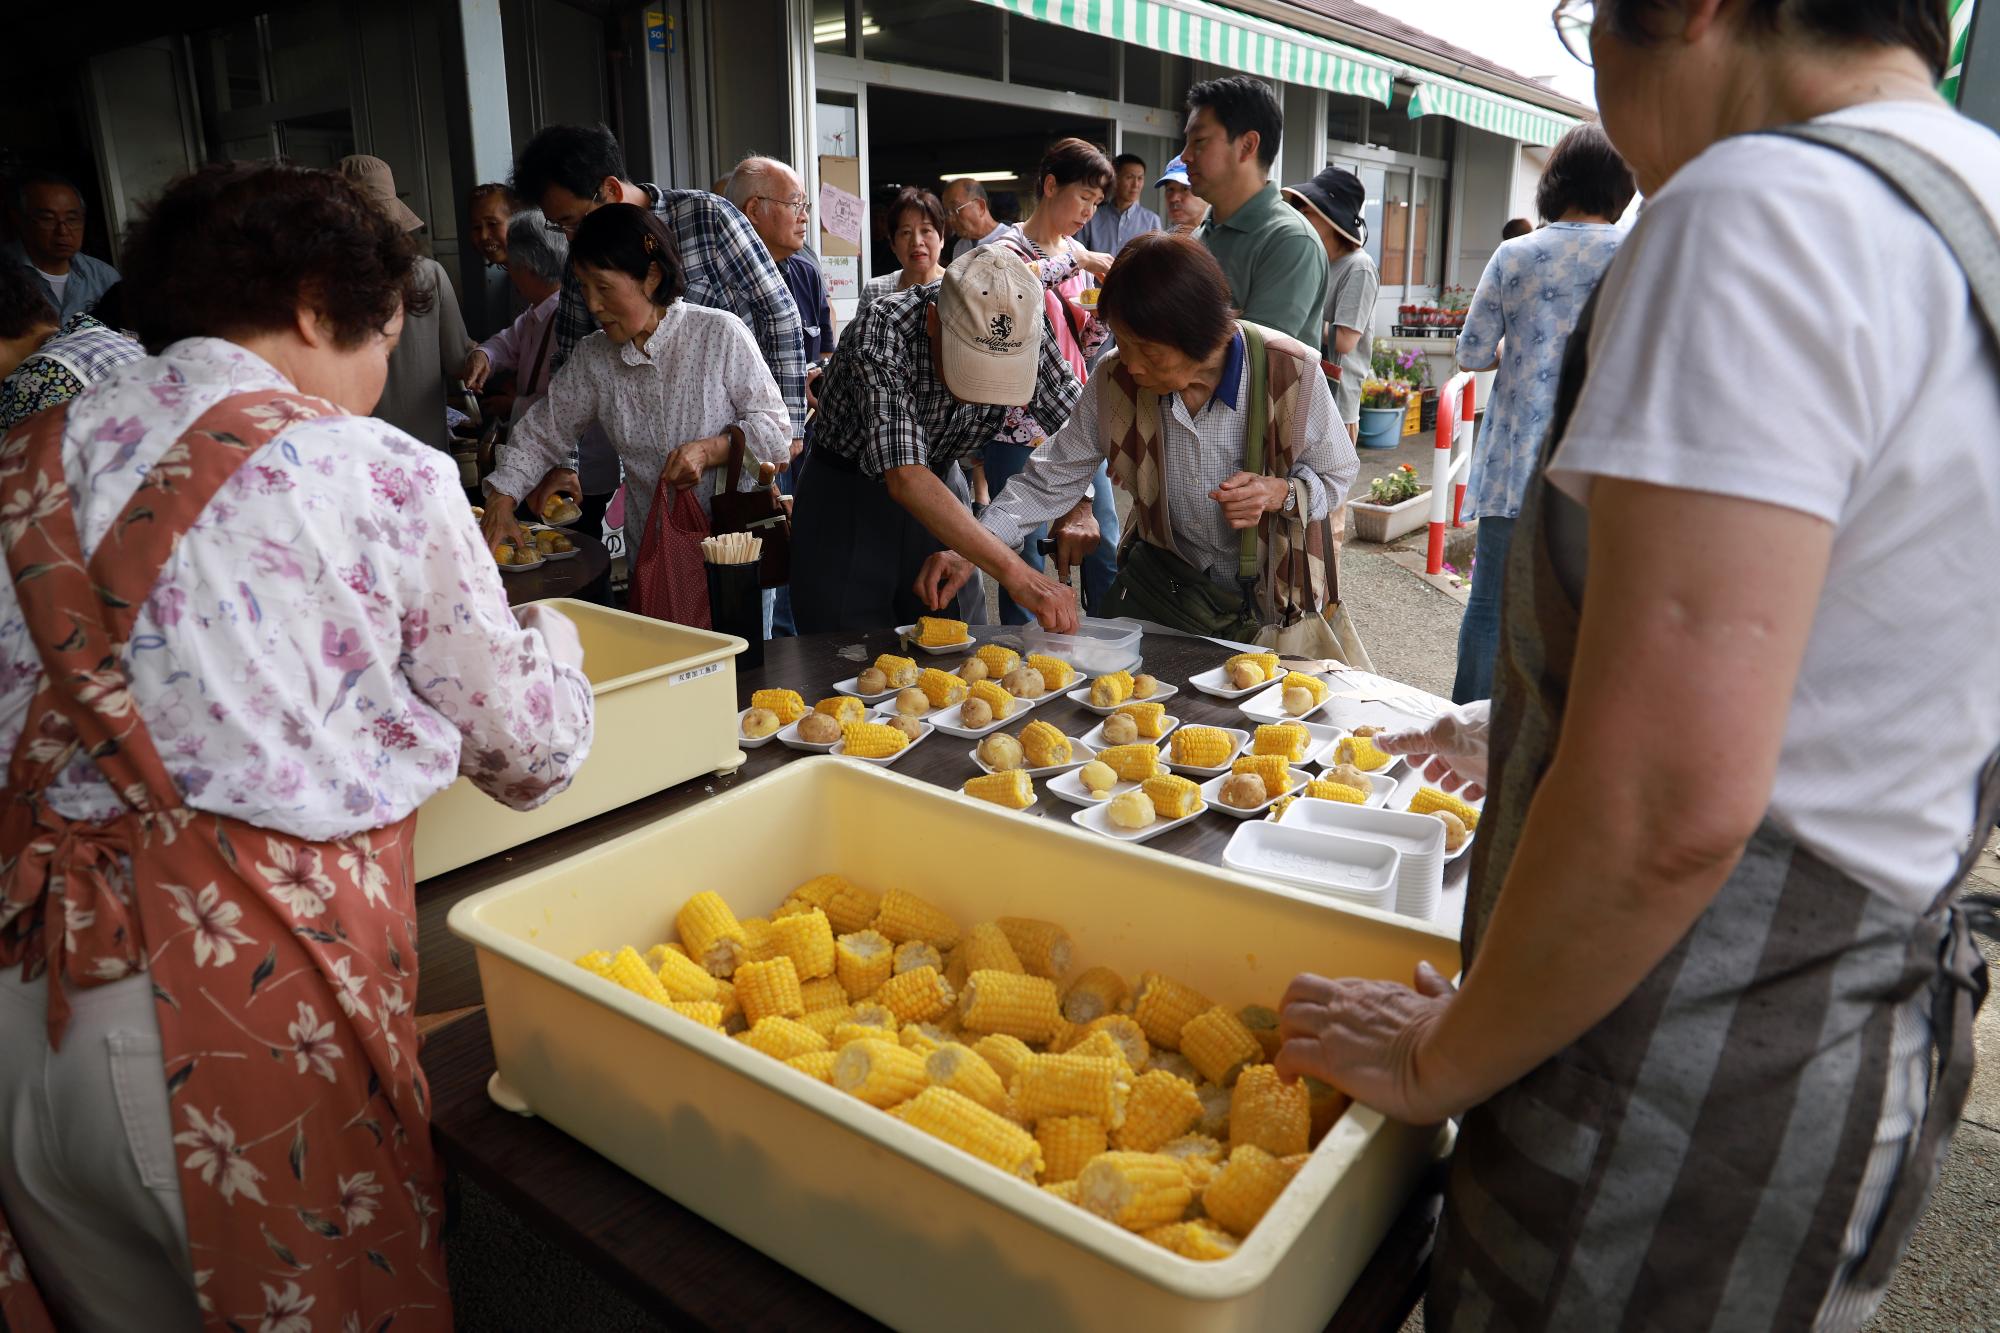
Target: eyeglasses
43	217
798	203
1574	20
568	228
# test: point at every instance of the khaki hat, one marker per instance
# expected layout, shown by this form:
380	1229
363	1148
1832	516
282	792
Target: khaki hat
990	311
371	176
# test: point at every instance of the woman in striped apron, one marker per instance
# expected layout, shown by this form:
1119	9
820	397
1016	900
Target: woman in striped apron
1715	1027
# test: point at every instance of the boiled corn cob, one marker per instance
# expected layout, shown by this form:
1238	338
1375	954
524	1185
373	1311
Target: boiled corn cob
1098	1046
1109	691
1195	1148
711	934
995	697
863	960
1173	796
822	993
1062	1189
1004	1053
759	945
962	1122
904	916
848	906
1163	1007
1286	739
880	1073
1270	1113
1135	1190
1176	1064
1265	662
1323	789
792	907
923	1038
1132	763
1362	752
999	661
1200	747
1430	801
913	954
985	949
817	1064
916	997
725	995
1215	1103
872	740
1042	946
1151	719
1272	768
1056	673
901	671
782	1038
941	687
1312	685
937	632
1325	1104
1219	1046
1013	789
1161	1108
1046	1085
826	1022
1262	1024
1199	1240
684	978
1131	1038
1097	992
842	708
960	1068
1245	1188
1044	745
705	1012
1068	1142
629	970
768	989
1012	1003
808	941
785	703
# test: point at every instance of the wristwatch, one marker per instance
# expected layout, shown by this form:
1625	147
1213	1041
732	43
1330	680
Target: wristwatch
1291	505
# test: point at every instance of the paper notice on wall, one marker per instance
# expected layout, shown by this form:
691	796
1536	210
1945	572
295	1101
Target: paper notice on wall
840	213
843	277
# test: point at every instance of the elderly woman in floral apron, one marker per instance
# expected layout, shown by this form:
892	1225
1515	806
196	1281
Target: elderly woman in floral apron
1743	742
246	634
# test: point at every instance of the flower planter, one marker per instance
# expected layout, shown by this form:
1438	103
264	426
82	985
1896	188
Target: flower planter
1381	427
1385	523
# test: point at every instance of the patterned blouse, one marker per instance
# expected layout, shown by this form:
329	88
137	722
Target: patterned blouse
330	644
1062	274
1531	294
82	352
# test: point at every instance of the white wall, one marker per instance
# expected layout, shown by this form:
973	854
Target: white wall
1486	200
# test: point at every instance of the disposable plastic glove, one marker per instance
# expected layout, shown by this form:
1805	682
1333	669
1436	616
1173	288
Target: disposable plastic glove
1453	749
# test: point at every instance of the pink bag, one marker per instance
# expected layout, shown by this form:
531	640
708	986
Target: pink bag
669	580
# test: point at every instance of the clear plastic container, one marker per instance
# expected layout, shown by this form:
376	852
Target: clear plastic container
1098	647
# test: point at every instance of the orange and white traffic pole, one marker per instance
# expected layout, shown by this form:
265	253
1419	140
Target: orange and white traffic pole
1454	418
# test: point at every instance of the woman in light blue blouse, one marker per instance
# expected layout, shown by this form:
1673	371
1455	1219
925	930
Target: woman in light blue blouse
1528	300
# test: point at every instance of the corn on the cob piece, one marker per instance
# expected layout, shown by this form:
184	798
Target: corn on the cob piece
1325	1104
792	907
760	946
822	993
684	978
1099	991
1130	1037
862	961
1271	768
1163	1007
1270	1113
819	890
1262	1024
901	671
769	989
871	740
782	1038
962	1122
1312	685
1277	811
1132	763
985	949
1324	789
1430	801
629	970
1161	1108
1045	745
1062	1189
1361	752
842	708
1068	1142
725	995
1004	1053
1096	1045
937	632
1013	1003
1013	788
1176	1064
785	703
1112	690
999	661
854	1030
1043	947
1046	1085
913	954
1056	673
1195	1148
1219	1046
705	1012
1135	1190
1289	740
1150	718
848	906
807	940
1265	662
1200	747
1067	1035
816	1064
923	1038
879	1072
828	1021
1245	1188
1215	1103
1199	1240
904	916
1172	795
916	997
960	1068
941	687
995	696
711	934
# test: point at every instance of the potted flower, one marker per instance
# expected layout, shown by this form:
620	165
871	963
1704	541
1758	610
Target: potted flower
1397	504
1383	405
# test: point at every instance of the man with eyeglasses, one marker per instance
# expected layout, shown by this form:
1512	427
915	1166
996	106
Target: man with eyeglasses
970	214
48	212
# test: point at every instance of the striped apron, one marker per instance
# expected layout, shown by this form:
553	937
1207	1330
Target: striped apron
1701	1159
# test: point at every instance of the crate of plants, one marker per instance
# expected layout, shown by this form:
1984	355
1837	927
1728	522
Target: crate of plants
1396	505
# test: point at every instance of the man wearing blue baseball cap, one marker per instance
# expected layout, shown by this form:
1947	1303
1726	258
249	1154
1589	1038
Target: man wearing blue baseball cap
1185	208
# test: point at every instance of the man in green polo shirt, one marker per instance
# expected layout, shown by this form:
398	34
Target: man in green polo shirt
1275	264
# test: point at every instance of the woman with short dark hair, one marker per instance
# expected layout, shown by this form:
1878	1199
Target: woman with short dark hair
916	236
253	629
1170	412
676	387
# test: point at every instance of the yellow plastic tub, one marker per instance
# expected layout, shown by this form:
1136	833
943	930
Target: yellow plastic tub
666	712
914	1232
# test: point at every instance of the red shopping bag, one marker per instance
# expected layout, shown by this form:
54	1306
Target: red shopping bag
669	580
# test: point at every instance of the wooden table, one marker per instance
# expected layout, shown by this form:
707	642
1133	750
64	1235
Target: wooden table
559	578
623	1227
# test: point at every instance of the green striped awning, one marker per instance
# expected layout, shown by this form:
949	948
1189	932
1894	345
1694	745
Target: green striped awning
1202	31
1961	28
1436	95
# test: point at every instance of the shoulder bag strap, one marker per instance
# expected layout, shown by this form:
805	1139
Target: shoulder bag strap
1255	428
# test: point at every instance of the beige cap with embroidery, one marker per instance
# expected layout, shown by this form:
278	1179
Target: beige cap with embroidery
990	314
